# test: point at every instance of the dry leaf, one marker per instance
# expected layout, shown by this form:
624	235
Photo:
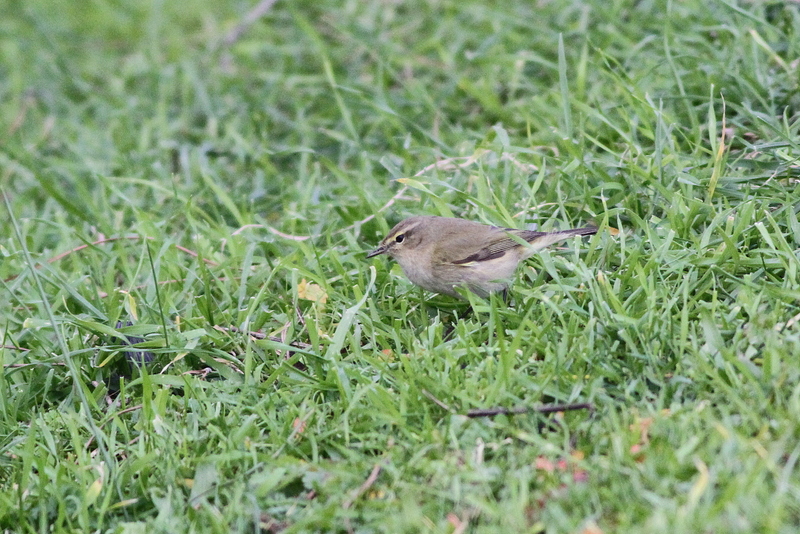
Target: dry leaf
580	475
544	464
459	526
591	528
299	426
642	425
311	291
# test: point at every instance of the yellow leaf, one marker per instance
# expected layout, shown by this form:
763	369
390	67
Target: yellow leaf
700	485
311	291
123	504
415	184
94	491
130	305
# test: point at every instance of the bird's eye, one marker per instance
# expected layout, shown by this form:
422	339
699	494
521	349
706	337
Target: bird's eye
400	238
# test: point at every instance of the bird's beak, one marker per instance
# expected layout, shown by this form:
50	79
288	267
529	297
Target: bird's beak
380	250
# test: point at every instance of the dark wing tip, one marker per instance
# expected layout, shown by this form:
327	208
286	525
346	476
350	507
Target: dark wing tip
588	230
482	255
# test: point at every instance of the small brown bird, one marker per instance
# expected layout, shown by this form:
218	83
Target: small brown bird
441	254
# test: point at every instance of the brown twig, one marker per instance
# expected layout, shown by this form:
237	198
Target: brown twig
246	227
195	254
437	401
300	317
489	412
115	415
126	410
386	206
23	365
131	237
444	164
548	408
792	321
12	347
105	240
87	245
252	16
373	476
259	335
103	294
27	103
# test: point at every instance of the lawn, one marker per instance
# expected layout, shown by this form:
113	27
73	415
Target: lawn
195	341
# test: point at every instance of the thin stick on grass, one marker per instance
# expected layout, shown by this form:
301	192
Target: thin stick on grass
547	408
252	16
24	365
105	240
259	335
491	412
437	401
130	237
444	164
113	416
12	347
373	476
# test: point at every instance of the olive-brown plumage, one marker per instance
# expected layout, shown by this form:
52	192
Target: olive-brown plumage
441	254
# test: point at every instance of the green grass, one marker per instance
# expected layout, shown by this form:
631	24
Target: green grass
152	173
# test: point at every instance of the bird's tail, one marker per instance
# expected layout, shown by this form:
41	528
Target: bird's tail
540	240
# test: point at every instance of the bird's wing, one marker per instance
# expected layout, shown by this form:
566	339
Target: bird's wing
505	239
502	242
